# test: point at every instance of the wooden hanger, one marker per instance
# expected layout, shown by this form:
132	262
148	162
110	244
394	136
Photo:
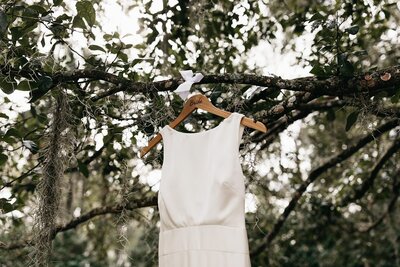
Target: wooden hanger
202	102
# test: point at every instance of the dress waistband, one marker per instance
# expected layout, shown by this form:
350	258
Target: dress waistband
204	237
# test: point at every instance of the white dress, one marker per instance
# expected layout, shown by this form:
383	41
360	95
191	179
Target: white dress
201	198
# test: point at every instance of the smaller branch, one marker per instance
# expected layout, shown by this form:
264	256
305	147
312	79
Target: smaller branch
315	173
390	208
368	183
302	110
278	127
19	178
132	205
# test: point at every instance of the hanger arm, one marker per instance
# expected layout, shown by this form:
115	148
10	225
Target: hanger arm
202	102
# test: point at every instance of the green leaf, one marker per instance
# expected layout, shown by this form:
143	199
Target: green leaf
327	48
43	41
85	10
8	139
346	69
16	33
274	93
96	47
353	29
2	115
45	82
3	159
38	8
123	56
396	97
44	85
3	22
317	70
29	14
351	119
7	86
316	16
127	46
107	37
83	169
33	111
330	115
136	61
327	35
62	18
387	13
57	2
26	85
6	207
12	132
133	140
78	22
42	119
35	95
360	53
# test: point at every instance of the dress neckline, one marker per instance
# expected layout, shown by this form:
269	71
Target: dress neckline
202	132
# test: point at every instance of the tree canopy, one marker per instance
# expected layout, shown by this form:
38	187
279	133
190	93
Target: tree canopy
73	190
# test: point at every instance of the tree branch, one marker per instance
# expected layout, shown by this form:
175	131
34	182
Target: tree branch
390	208
131	205
368	183
369	82
315	173
302	110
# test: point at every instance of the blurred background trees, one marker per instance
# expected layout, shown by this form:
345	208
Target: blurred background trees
80	99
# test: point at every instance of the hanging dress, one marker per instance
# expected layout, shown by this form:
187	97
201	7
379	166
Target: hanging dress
201	198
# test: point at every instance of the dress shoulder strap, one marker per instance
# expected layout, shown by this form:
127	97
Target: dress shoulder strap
239	128
235	130
235	135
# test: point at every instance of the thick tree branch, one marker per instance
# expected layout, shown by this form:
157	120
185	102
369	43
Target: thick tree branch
368	183
369	82
315	173
131	205
334	86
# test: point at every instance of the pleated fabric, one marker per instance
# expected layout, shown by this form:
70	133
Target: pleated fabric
201	198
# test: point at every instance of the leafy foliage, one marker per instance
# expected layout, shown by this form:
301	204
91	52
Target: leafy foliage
38	50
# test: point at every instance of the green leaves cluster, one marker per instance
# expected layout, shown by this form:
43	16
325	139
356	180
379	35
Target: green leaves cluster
210	33
3	22
85	12
332	58
345	37
210	28
44	84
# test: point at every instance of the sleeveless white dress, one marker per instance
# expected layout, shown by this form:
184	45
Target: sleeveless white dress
201	198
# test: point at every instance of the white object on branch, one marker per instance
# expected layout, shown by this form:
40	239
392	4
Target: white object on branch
183	89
